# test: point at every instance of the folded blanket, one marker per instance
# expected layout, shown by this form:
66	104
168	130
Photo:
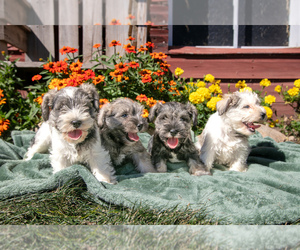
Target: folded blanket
268	193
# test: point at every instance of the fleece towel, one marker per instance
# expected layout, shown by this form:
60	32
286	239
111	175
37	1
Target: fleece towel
268	193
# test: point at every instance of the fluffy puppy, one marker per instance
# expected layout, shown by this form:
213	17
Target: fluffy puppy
224	139
119	123
71	133
172	140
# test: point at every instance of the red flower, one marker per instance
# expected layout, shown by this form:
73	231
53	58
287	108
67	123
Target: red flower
133	65
36	78
60	66
130	38
50	67
67	49
121	67
142	98
146	78
149	45
89	74
130	17
115	22
114	43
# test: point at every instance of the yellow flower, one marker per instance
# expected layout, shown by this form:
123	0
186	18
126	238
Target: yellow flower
278	89
179	71
246	89
270	99
297	83
212	103
293	92
241	84
204	92
269	112
209	78
200	84
145	113
215	89
195	98
265	83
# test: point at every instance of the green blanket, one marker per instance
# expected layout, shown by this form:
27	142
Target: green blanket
268	193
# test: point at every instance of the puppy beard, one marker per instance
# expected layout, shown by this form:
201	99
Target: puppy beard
74	126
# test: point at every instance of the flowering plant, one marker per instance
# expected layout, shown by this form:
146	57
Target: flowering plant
17	110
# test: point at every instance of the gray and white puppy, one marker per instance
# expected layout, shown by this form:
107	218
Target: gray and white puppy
224	139
172	140
119	123
70	132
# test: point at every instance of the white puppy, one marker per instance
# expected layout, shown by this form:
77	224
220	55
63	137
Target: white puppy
70	132
224	139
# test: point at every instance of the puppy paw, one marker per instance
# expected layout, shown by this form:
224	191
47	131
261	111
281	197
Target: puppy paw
238	168
161	167
201	172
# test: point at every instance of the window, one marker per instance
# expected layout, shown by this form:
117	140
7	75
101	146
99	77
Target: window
234	23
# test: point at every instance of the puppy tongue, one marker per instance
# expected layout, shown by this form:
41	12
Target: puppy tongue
75	134
251	125
172	142
133	136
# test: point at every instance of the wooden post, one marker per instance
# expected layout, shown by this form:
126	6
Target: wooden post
68	25
92	28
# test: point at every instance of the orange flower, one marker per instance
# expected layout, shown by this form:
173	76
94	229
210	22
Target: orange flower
3	125
133	64
142	49
102	102
146	78
145	72
130	17
145	113
36	78
159	73
159	55
67	49
76	66
149	45
1	93
151	102
39	99
129	48
49	66
142	98
114	43
57	83
3	101
98	79
149	23
121	67
172	83
97	45
115	22
130	38
116	75
60	66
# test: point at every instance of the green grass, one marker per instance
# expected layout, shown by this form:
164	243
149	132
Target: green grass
73	205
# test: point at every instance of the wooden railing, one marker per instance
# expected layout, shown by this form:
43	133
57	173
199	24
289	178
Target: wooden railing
40	28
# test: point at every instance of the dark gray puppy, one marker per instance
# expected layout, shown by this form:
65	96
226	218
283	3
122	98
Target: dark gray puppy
171	140
70	131
119	123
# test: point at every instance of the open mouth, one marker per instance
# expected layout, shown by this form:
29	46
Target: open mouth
133	136
251	127
75	134
172	142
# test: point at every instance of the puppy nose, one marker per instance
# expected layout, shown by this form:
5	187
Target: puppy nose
173	132
76	124
140	126
263	115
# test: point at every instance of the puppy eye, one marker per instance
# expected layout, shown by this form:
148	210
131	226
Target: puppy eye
246	107
183	119
124	115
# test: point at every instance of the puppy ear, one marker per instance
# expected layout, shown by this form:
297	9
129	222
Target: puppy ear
92	92
193	112
154	111
103	114
47	104
229	100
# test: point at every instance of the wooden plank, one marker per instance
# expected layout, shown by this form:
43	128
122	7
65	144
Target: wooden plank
116	32
42	38
92	27
15	35
139	10
68	19
238	68
14	12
